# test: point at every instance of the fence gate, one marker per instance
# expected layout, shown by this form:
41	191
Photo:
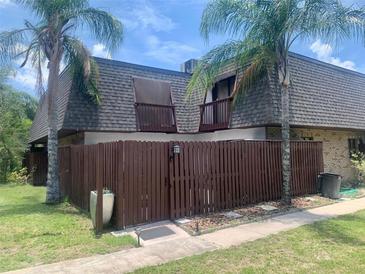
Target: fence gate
145	182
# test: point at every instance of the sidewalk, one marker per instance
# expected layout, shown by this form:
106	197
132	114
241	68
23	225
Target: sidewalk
175	248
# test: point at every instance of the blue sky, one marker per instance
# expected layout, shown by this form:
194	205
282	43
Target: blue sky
165	33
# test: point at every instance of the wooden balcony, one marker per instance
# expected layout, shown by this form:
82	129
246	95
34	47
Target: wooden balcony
155	118
215	115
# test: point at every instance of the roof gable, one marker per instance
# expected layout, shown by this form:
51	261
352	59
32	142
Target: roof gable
116	111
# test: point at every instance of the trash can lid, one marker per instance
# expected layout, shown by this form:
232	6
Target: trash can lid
330	174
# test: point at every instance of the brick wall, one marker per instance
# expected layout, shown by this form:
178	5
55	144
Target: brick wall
335	147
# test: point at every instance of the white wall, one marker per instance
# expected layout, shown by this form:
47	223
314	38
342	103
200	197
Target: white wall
209	97
229	134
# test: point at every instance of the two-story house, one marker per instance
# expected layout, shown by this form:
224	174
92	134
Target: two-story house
327	103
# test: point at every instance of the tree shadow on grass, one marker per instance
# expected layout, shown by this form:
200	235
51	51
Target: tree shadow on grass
344	230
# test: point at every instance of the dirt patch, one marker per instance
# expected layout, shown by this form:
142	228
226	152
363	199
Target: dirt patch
251	213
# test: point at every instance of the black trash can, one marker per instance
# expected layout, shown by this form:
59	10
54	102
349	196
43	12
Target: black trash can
330	185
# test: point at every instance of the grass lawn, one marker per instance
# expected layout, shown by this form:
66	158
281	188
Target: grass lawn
333	246
33	233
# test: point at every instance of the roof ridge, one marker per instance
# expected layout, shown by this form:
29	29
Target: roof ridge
322	63
175	72
138	66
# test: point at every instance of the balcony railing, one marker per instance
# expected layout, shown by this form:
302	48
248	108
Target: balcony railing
155	118
215	115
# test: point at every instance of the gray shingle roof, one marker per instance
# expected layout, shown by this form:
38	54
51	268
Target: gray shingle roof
116	111
322	95
39	127
254	109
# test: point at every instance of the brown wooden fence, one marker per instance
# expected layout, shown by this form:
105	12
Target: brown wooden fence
212	176
137	172
152	183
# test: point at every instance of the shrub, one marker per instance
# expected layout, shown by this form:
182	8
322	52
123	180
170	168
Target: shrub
20	176
358	162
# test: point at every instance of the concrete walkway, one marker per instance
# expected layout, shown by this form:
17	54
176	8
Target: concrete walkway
184	245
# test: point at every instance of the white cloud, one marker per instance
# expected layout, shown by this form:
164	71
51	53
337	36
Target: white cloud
324	53
5	3
26	78
144	16
149	17
100	50
130	23
27	75
170	52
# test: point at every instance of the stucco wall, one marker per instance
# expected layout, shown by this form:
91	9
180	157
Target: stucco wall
230	134
74	139
335	142
335	147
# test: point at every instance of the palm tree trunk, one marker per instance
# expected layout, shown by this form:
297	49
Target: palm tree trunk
285	154
53	187
284	81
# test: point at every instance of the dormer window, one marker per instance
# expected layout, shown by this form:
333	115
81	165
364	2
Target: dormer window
154	109
223	89
216	112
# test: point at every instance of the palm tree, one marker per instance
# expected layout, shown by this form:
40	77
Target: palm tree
52	40
262	32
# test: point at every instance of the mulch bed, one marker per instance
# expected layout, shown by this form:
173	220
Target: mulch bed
251	213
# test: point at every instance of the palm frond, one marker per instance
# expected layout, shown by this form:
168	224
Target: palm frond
331	21
212	64
352	23
255	64
265	31
11	44
46	9
105	27
38	59
230	17
84	69
54	34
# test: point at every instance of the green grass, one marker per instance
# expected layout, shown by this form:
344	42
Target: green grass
333	246
33	233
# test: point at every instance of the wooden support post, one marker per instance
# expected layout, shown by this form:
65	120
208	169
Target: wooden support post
99	189
171	182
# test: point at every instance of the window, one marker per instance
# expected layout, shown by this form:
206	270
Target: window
223	89
154	109
215	113
356	145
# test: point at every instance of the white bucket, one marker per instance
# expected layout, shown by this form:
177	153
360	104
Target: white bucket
108	203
